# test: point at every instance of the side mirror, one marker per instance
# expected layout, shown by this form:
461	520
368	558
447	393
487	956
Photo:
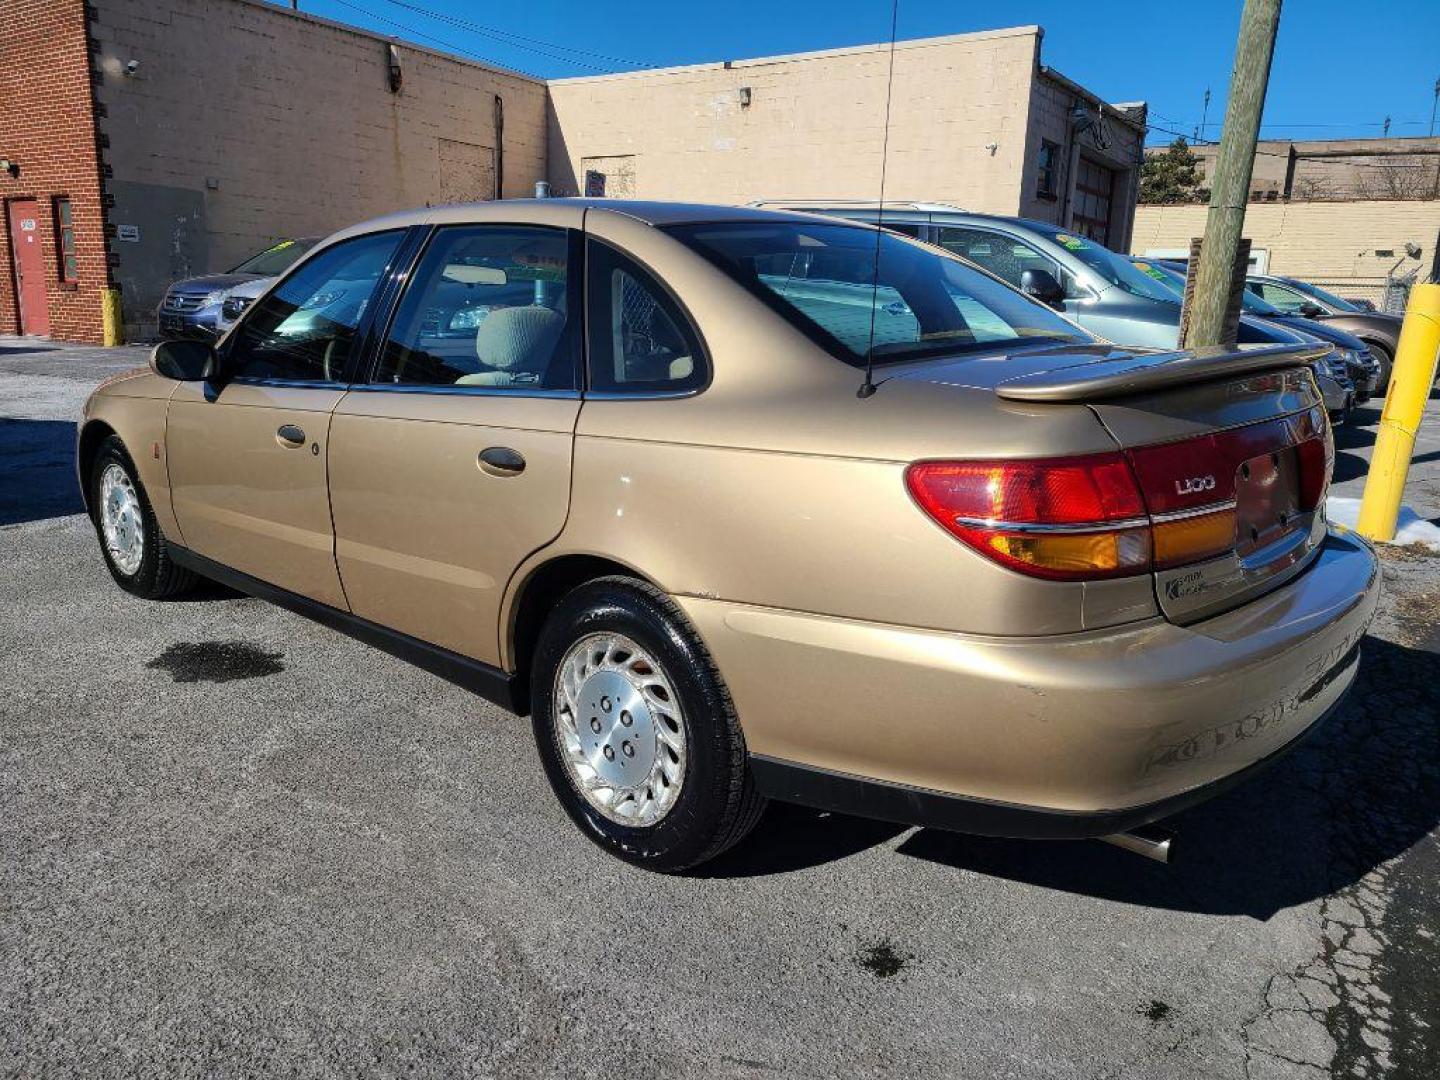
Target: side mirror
1310	309
185	360
1041	284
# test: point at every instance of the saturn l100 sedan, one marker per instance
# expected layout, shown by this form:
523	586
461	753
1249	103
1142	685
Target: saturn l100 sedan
740	505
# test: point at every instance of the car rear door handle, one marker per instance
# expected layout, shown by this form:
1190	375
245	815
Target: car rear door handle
290	436
501	461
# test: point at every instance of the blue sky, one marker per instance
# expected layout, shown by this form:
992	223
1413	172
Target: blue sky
1340	67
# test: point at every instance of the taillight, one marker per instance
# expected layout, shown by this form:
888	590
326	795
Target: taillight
1065	518
1111	515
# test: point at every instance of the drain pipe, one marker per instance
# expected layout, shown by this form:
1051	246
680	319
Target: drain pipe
1149	840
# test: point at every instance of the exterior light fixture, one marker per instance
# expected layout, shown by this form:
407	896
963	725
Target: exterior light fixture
10	168
744	97
397	76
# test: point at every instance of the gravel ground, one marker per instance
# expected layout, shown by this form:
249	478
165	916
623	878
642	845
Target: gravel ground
234	843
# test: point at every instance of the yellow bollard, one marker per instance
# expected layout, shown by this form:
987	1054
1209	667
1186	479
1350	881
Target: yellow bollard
112	323
1411	378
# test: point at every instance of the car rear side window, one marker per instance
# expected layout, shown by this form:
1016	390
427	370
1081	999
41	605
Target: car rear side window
489	306
303	330
640	339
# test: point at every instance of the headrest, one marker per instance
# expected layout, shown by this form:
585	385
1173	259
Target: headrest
519	338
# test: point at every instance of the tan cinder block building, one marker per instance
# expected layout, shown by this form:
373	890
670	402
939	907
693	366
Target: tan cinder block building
1321	169
241	123
203	130
1346	247
975	120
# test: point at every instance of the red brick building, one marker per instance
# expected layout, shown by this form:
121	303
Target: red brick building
52	228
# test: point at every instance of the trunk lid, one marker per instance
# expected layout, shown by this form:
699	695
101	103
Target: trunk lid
1230	447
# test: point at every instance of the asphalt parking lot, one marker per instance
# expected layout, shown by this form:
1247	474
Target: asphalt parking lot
235	843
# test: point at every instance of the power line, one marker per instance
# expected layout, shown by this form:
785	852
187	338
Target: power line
519	41
449	47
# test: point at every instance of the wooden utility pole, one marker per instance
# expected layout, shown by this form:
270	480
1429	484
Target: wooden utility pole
1230	186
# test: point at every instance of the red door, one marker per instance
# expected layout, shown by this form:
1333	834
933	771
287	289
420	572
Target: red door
29	259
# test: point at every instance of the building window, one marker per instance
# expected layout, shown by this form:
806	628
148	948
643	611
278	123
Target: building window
65	240
1048	184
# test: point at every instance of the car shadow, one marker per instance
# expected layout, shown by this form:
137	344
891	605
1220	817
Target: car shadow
789	838
37	470
1361	791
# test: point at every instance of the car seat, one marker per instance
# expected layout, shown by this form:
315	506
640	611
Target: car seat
515	345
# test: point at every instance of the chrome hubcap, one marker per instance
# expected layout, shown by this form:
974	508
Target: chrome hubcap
120	520
620	729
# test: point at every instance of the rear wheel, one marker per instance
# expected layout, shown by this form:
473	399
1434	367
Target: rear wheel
636	730
131	540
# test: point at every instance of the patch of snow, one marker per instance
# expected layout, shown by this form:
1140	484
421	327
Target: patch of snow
1411	528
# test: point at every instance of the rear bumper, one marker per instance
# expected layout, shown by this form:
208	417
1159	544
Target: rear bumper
1072	735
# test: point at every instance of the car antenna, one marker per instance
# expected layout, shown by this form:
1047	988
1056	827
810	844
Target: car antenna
868	386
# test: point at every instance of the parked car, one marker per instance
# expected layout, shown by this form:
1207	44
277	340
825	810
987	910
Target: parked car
1083	279
1349	367
1089	283
733	519
193	308
1379	331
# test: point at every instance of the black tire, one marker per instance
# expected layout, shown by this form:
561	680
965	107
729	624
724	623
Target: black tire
1386	362
718	803
157	577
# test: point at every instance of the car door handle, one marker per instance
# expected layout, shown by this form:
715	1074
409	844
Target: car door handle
290	436
501	461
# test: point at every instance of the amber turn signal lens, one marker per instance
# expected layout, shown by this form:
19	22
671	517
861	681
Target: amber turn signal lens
1193	539
1074	555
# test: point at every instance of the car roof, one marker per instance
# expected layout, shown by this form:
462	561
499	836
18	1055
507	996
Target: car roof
903	206
651	212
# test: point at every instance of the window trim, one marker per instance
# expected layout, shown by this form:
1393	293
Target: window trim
60	230
702	351
363	330
398	284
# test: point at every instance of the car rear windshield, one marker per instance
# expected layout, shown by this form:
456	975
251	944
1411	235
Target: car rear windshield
276	259
914	301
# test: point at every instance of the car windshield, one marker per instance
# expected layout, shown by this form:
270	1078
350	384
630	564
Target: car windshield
276	259
1175	278
1111	268
1328	299
916	300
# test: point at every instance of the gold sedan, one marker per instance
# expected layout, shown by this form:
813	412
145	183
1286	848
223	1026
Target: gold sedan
743	505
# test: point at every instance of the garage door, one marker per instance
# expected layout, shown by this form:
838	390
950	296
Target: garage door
1094	191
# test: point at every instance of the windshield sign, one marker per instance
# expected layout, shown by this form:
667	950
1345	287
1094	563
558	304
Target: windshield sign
275	259
1175	280
1113	269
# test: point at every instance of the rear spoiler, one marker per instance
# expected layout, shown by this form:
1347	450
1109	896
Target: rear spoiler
1138	373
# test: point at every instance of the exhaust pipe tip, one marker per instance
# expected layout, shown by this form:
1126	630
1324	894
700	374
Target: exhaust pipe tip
1150	841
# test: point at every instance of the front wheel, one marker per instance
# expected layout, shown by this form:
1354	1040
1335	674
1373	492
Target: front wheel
1386	362
130	538
636	730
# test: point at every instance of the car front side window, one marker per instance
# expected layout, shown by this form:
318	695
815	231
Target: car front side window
1004	256
1286	299
303	330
